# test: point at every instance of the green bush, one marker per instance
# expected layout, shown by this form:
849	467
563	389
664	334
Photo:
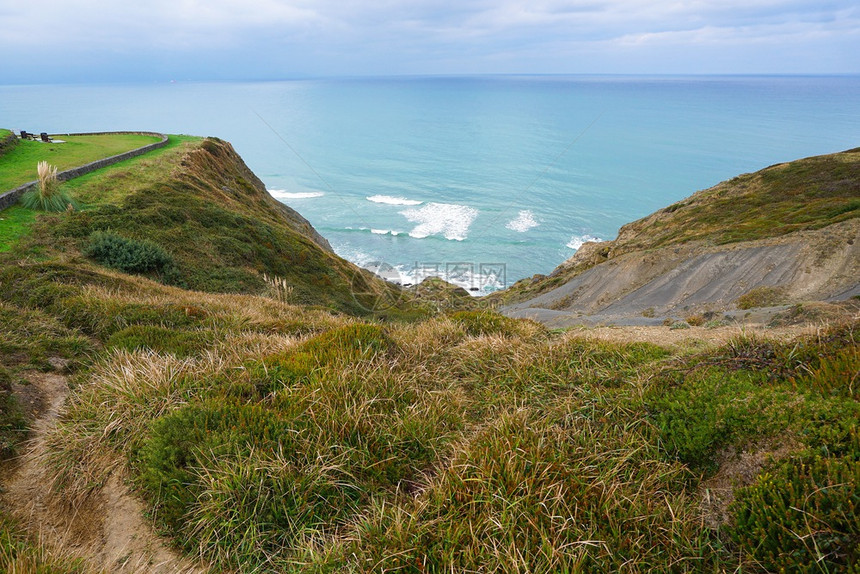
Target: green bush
711	410
179	442
802	517
128	255
161	339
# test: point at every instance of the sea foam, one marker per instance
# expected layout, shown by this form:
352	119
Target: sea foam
524	221
452	221
578	240
391	200
284	194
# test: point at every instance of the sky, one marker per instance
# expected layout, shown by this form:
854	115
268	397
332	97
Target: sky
47	41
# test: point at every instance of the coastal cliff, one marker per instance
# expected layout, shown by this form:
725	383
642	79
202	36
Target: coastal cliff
792	229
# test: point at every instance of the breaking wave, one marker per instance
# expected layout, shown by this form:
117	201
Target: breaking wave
524	221
391	200
284	194
578	240
450	220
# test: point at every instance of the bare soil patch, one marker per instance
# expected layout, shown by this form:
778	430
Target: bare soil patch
107	529
692	338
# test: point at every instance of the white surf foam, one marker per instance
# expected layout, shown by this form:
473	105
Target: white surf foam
447	219
284	194
524	221
385	232
391	200
577	240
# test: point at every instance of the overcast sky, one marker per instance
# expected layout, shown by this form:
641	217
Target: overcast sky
107	40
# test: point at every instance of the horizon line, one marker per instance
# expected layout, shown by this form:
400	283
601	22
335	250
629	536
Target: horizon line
323	77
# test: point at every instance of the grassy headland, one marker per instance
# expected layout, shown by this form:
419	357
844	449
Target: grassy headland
18	166
273	431
218	229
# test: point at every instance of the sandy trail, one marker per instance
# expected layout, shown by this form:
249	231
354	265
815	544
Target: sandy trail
693	337
107	529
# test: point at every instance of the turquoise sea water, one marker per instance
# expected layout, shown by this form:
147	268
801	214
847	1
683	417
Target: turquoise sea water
489	179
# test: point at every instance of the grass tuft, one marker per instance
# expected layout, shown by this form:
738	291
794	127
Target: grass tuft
49	195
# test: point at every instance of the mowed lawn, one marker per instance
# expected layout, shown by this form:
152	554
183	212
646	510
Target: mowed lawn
18	165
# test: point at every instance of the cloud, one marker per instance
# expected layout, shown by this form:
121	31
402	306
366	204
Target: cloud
277	37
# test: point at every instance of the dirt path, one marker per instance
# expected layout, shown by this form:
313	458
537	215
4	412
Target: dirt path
107	529
693	337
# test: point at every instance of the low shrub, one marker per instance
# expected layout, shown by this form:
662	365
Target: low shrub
179	442
127	255
804	516
710	410
762	297
346	344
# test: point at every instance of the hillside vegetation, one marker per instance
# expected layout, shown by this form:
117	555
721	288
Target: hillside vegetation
268	429
193	215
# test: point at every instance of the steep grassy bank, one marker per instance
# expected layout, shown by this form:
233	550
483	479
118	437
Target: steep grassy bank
195	216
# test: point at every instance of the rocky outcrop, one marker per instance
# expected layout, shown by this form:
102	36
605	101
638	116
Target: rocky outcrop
806	266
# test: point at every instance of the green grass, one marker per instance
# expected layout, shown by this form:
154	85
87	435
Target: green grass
112	184
13	425
19	165
805	194
467	442
4	133
15	222
276	438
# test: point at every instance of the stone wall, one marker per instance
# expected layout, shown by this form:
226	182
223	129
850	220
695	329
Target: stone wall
11	197
8	143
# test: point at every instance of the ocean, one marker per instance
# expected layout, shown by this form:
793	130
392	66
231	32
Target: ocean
481	180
